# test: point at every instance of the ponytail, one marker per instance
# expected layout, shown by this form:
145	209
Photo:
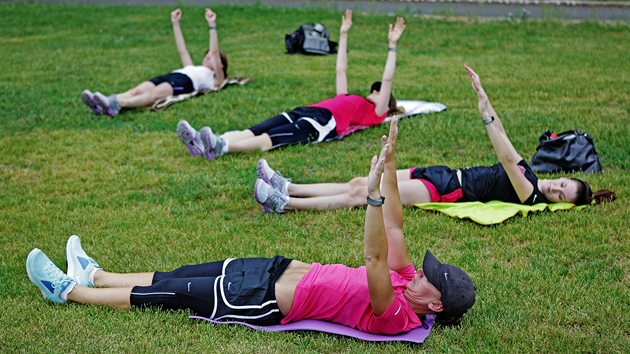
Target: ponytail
586	197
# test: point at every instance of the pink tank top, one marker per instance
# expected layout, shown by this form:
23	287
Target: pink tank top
340	294
351	110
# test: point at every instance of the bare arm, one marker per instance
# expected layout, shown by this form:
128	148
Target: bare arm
397	257
342	54
507	155
211	17
375	242
382	106
179	38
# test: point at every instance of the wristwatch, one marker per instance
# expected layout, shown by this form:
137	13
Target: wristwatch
375	202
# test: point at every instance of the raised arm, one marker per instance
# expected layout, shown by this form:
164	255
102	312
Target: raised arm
375	242
215	54
382	106
507	155
342	54
397	257
179	38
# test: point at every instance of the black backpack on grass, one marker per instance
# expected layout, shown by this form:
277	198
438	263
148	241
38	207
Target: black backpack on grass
310	39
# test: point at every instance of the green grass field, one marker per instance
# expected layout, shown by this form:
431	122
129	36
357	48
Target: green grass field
549	282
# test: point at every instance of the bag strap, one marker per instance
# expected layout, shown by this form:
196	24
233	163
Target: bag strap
545	136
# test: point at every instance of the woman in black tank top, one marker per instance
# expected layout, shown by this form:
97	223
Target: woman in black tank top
512	180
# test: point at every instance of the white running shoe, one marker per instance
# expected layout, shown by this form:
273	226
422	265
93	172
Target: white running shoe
109	107
81	267
190	137
88	99
271	200
213	144
274	179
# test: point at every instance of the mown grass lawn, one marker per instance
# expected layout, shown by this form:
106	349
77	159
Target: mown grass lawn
549	282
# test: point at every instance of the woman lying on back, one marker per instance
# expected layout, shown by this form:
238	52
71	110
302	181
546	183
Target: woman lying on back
315	123
511	180
211	73
388	295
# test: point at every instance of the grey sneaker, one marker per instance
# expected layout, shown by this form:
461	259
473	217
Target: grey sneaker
272	201
190	137
213	144
81	267
54	284
88	99
111	108
274	179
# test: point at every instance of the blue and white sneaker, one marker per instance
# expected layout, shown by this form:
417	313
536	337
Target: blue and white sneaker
54	284
81	267
274	179
190	137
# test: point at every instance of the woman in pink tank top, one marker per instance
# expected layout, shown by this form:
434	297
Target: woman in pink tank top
386	296
323	121
512	180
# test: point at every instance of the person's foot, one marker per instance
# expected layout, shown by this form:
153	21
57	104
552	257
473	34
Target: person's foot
109	104
272	201
54	284
88	99
213	144
274	179
81	267
190	137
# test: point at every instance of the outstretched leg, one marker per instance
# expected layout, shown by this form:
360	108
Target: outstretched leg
329	189
332	196
144	95
143	87
260	142
112	297
105	279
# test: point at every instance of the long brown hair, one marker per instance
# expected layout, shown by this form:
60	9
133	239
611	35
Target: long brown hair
393	108
224	61
585	196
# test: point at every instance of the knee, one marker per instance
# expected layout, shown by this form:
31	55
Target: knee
358	194
134	92
155	95
358	183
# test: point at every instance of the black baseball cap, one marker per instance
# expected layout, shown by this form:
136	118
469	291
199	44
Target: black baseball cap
458	291
376	86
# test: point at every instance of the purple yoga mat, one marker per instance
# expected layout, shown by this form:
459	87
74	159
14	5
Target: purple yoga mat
417	335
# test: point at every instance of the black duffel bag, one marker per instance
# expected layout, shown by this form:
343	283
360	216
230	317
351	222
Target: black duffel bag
568	151
310	38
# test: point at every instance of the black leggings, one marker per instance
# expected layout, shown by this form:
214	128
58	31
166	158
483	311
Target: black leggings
301	125
241	289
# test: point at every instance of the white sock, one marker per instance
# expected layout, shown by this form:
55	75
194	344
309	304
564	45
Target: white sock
226	147
64	294
91	275
285	189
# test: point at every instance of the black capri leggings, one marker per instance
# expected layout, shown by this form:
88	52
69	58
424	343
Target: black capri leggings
301	125
241	289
